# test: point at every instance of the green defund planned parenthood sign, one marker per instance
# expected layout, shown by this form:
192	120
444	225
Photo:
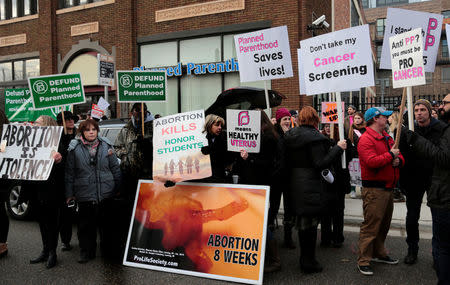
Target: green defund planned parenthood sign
141	86
56	90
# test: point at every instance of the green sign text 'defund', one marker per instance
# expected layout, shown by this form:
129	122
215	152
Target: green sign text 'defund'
141	86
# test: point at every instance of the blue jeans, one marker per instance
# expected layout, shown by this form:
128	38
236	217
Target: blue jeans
441	245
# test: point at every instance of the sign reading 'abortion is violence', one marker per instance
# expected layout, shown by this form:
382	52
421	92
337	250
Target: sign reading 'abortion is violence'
28	152
338	61
56	90
407	60
243	130
264	54
177	143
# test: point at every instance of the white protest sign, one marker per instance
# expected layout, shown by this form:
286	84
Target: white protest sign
29	151
301	75
177	143
96	112
105	70
447	31
337	61
243	130
102	104
355	172
406	58
264	54
400	20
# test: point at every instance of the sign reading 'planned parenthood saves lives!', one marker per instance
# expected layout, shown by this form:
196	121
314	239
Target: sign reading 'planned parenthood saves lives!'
56	90
141	86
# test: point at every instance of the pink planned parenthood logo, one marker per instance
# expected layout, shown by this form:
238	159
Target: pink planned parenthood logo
243	118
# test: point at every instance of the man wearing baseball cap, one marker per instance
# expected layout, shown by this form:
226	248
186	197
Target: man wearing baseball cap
380	164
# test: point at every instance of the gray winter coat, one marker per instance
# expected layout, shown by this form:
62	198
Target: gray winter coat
94	180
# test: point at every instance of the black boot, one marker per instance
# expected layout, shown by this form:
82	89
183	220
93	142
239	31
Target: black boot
308	262
411	258
273	261
41	258
288	242
51	259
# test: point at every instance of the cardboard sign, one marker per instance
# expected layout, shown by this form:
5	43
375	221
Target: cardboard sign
105	70
355	172
330	112
243	130
338	61
207	230
102	104
406	58
19	106
29	151
264	54
400	20
141	86
177	143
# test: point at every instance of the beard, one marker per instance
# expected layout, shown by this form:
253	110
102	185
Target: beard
446	116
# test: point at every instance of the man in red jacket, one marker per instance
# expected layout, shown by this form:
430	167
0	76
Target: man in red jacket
380	164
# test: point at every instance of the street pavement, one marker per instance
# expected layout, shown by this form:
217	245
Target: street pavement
339	264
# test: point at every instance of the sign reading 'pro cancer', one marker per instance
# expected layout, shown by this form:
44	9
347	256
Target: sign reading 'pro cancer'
29	150
264	54
338	61
399	21
177	143
19	106
56	90
406	59
243	130
141	86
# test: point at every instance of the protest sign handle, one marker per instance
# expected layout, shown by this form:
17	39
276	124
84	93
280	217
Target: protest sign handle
106	99
400	119
410	108
63	120
266	92
341	124
142	117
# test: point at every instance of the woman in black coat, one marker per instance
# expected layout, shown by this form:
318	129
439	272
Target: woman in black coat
305	154
4	186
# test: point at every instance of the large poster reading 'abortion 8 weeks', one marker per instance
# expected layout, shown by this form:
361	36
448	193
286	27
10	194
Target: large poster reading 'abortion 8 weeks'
206	230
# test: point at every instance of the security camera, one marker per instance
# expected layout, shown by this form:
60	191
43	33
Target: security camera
325	24
319	20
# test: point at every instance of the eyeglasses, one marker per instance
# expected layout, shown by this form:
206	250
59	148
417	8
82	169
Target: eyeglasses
445	102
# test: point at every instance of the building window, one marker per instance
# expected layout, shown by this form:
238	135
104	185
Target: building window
445	74
446	14
381	23
379	48
445	48
72	3
17	8
428	77
354	15
19	69
365	4
390	2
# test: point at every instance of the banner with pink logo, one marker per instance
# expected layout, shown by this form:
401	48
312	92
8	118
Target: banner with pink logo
243	130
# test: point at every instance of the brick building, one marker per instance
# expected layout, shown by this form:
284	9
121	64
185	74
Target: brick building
40	37
438	83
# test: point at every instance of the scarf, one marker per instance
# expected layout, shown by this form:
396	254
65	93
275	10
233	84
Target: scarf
91	146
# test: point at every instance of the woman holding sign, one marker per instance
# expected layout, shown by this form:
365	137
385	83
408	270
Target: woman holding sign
4	186
307	157
92	178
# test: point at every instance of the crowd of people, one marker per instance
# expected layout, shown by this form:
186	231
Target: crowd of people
298	161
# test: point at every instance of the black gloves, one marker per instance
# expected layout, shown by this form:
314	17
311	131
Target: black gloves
169	184
205	150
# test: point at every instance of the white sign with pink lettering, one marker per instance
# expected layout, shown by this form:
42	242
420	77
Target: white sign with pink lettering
338	61
406	58
400	20
264	54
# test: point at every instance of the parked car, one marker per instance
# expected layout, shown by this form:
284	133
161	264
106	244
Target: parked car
24	210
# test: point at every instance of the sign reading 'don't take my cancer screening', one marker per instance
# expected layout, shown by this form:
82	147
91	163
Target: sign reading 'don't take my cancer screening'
19	106
28	152
243	130
338	61
264	54
207	230
399	21
141	86
56	90
407	60
177	143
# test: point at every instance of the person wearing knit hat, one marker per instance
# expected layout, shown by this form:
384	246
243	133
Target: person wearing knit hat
416	176
282	112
